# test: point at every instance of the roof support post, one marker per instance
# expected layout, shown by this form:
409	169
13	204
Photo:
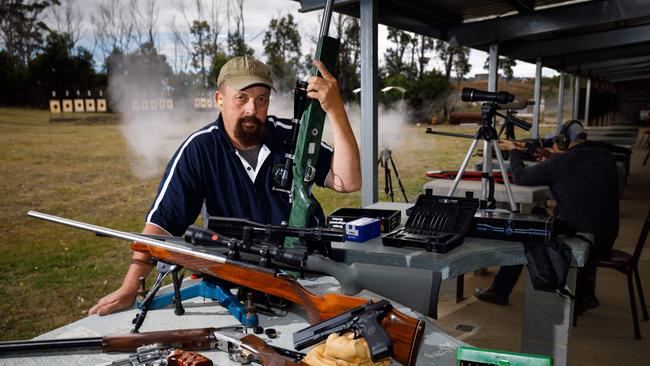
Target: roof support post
538	97
493	70
576	96
560	99
369	140
587	102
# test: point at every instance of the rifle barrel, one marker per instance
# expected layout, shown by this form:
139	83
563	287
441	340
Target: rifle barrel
27	347
126	236
327	17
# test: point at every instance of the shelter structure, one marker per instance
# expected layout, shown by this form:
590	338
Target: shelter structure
603	45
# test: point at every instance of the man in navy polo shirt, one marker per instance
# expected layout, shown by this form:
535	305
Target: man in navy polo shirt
228	165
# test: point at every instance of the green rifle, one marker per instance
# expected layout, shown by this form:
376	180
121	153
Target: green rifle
310	135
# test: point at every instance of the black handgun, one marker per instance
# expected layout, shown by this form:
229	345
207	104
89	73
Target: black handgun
363	320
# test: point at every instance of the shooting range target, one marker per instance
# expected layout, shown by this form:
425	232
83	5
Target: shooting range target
144	105
209	103
203	102
78	105
153	104
162	104
135	105
90	105
55	106
67	105
101	105
197	103
170	103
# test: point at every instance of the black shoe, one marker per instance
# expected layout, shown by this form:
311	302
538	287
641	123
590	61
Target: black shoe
488	296
583	306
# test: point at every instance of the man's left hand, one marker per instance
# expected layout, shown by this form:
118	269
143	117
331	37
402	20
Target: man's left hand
325	89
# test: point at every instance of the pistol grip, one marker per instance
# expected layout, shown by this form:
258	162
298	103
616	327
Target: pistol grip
378	340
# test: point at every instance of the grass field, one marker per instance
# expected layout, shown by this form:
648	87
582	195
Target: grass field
81	170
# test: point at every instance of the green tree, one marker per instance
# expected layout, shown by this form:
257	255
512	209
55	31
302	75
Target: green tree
282	48
58	68
13	80
237	45
22	28
202	48
426	44
394	56
454	58
505	64
422	94
144	68
348	65
217	63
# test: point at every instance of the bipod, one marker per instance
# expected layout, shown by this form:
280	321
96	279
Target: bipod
209	288
386	158
163	269
488	134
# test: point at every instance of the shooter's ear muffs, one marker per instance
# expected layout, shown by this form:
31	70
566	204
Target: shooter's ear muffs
563	138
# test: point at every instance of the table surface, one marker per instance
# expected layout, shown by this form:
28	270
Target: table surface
521	194
473	254
437	347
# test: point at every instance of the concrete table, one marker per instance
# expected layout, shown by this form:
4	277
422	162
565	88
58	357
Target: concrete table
533	195
547	316
438	348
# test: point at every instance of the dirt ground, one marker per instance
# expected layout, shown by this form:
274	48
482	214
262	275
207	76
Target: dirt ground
604	335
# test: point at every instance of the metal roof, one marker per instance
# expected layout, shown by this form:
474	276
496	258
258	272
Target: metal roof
605	40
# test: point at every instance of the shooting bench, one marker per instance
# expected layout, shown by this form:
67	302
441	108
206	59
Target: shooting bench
547	317
437	347
530	196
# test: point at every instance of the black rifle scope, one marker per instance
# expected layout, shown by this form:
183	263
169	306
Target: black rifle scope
475	95
232	226
206	237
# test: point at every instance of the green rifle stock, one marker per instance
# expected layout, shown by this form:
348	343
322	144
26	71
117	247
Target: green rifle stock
310	135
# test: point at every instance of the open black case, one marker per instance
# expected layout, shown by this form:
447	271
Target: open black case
436	223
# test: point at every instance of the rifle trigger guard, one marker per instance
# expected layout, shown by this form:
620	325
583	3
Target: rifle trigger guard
310	173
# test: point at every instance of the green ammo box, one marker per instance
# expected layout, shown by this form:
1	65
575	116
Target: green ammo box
470	356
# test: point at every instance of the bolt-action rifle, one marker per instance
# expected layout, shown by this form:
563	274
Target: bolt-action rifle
405	332
310	134
413	287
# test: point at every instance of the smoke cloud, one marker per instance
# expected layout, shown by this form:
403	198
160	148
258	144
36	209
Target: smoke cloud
153	134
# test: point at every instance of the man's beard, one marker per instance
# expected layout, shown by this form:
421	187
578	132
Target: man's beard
249	135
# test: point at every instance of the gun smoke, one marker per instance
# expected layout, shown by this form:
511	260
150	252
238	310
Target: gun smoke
153	136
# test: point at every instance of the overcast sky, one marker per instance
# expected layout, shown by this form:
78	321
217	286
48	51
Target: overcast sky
257	14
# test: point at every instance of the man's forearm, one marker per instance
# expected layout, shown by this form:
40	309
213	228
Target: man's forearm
140	267
346	169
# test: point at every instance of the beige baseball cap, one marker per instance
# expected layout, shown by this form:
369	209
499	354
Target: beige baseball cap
243	71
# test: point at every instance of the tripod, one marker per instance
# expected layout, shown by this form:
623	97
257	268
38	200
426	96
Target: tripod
488	134
386	157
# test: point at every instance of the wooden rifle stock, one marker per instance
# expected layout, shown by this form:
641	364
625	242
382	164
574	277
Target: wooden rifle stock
405	332
268	356
188	339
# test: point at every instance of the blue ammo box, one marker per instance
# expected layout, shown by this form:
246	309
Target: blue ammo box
362	229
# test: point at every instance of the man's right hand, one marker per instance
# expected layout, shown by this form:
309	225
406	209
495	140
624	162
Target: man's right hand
124	296
506	145
119	299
